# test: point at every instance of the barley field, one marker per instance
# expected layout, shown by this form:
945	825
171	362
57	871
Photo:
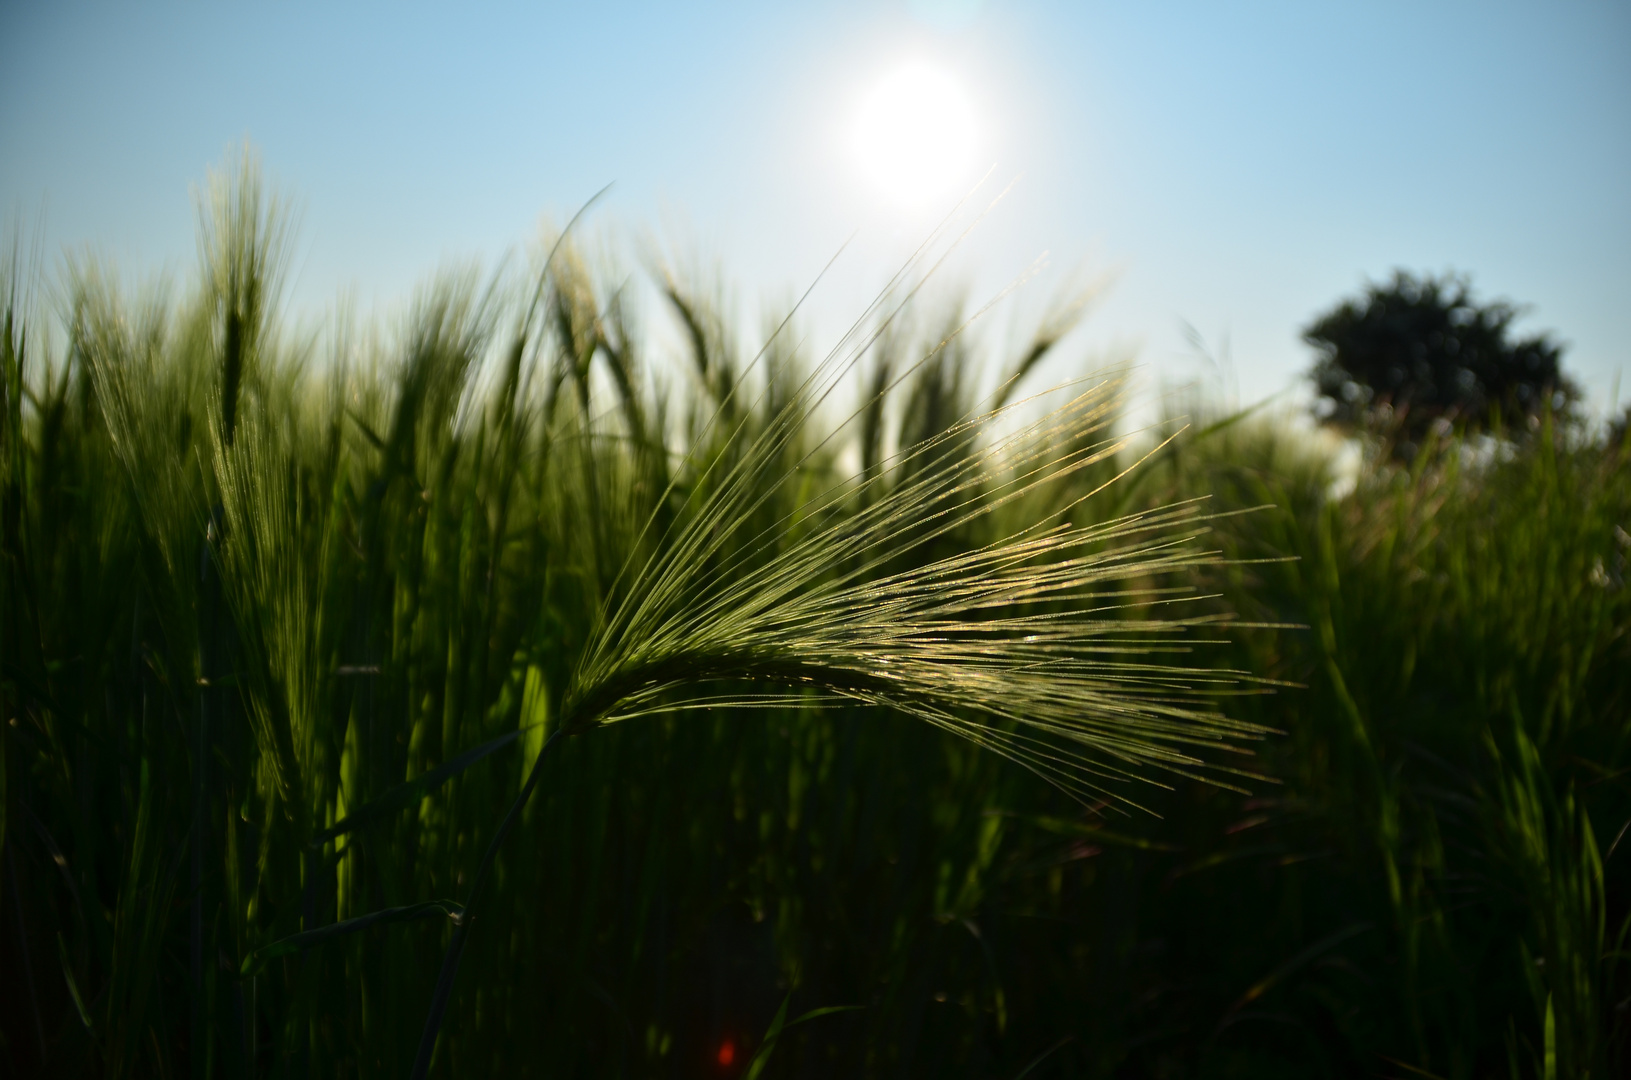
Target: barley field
502	692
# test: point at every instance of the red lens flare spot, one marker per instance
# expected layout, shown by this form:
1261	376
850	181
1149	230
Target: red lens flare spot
726	1055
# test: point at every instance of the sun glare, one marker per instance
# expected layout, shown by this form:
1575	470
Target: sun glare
915	134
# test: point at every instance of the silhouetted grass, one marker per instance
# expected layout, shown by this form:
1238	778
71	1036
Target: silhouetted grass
285	638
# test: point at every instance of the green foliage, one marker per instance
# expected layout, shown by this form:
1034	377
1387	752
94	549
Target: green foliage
287	640
1418	355
1458	753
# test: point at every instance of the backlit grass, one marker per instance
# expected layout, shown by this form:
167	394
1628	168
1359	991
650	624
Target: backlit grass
866	709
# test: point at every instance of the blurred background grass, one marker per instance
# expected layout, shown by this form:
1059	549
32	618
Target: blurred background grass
251	589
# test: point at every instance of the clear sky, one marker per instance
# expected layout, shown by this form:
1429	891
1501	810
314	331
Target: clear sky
1234	166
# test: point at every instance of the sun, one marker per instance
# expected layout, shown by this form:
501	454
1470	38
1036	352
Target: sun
915	135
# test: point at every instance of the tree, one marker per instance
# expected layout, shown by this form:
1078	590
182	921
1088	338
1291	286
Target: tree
1418	355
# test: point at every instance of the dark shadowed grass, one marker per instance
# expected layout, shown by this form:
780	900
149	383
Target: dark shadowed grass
285	637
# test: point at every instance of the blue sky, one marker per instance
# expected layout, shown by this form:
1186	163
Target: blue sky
1234	166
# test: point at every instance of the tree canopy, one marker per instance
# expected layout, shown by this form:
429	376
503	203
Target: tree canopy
1419	353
